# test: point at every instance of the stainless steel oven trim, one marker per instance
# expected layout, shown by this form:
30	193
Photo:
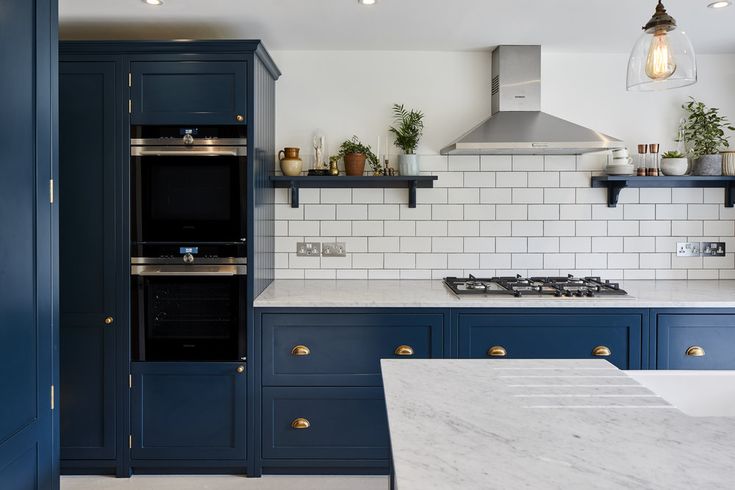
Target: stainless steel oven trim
173	151
188	270
197	261
181	142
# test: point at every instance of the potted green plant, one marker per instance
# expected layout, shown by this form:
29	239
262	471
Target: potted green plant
407	129
354	154
674	163
703	131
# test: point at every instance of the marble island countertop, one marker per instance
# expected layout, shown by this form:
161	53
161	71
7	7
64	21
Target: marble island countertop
545	424
433	293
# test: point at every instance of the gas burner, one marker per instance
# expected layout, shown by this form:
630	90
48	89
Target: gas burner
560	287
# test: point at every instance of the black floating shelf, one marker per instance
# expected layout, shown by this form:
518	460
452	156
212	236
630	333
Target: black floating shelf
342	181
615	183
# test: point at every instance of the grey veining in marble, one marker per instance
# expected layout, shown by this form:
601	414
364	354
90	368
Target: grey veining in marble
395	294
545	424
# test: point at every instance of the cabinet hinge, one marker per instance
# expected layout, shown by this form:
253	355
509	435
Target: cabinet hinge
130	79
130	441
130	106
51	191
130	380
53	403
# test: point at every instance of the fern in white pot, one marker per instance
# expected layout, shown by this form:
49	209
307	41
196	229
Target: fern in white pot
407	129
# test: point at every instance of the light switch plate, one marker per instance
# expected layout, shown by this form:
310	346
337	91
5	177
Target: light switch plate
308	249
713	249
688	249
334	249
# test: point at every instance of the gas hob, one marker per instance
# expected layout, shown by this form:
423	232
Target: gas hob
518	286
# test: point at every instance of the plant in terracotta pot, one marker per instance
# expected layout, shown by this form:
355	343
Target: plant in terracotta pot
674	163
703	131
354	154
408	128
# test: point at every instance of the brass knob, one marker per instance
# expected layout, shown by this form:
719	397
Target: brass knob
695	351
497	351
300	423
300	350
109	320
240	369
239	118
601	351
404	350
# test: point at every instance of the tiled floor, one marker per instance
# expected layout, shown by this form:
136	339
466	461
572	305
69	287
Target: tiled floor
225	483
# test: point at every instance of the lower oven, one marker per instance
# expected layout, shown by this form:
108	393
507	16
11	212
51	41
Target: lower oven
189	312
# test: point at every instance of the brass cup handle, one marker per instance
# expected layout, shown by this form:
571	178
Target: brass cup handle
109	320
300	423
239	118
695	351
300	350
601	351
240	369
403	350
497	351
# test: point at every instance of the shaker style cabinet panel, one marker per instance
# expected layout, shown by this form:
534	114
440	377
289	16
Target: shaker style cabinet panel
695	341
189	92
343	349
88	250
325	423
189	411
614	337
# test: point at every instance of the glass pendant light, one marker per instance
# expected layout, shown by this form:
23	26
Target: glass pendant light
663	57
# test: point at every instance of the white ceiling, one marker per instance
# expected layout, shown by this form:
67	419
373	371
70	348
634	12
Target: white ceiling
559	25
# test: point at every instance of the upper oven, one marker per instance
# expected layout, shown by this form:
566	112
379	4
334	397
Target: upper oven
188	188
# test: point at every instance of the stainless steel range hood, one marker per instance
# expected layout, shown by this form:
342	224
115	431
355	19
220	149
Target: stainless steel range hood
517	125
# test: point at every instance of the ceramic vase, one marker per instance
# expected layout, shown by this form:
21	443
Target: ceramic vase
408	164
291	164
728	163
354	164
674	166
707	165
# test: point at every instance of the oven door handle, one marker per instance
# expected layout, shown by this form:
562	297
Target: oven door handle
222	151
188	270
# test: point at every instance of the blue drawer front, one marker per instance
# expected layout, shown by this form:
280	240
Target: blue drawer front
713	333
344	423
188	411
188	92
552	336
345	349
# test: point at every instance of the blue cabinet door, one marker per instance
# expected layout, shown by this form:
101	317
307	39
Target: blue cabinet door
191	411
552	336
695	341
324	423
189	92
27	245
344	349
88	250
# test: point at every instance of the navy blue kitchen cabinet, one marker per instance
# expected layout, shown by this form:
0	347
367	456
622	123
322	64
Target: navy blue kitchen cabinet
188	411
695	340
28	247
325	423
89	249
344	349
197	92
558	334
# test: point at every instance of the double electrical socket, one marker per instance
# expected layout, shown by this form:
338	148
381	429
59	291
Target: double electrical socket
700	249
315	249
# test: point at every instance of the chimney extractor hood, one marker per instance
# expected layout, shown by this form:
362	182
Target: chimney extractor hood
517	125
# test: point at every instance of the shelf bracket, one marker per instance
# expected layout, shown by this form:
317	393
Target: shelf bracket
730	195
294	194
412	194
613	193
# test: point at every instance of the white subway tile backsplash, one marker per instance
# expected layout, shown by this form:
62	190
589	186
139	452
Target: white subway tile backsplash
501	214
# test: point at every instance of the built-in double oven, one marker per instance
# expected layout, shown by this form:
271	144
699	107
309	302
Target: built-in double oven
188	251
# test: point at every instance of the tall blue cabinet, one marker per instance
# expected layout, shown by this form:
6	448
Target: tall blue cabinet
28	305
117	416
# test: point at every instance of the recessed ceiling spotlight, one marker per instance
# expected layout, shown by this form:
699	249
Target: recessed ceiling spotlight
719	5
153	2
367	2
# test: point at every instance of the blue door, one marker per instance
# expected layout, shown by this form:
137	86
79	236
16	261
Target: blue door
27	36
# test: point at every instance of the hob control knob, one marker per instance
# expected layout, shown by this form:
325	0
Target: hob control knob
188	258
188	139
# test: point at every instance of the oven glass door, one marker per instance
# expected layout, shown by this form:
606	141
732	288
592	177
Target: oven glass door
188	199
188	318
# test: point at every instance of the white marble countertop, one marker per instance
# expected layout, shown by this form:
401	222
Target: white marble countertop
410	293
545	424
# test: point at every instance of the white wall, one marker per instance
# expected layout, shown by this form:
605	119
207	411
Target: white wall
492	215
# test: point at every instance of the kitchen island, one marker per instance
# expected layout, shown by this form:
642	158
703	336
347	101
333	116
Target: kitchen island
483	424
